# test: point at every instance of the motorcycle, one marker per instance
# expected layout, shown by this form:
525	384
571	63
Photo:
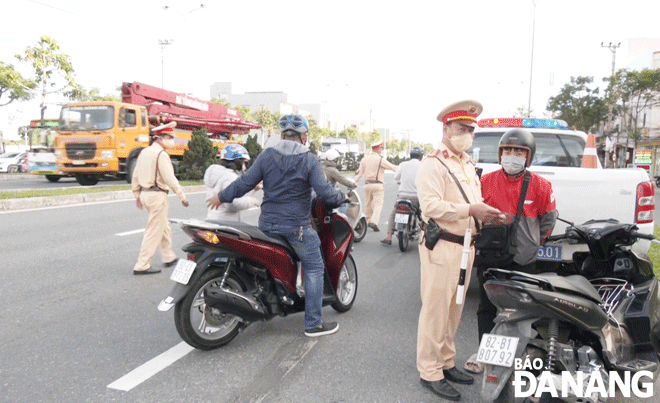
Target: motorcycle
604	318
408	223
235	274
355	215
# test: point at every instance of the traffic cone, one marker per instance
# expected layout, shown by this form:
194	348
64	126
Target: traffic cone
590	157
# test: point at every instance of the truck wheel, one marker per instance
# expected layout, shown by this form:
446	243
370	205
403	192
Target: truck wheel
12	169
87	180
130	167
53	178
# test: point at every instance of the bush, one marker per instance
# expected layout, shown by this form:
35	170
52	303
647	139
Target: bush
201	153
253	147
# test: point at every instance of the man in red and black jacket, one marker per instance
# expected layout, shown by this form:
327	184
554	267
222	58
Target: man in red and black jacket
501	189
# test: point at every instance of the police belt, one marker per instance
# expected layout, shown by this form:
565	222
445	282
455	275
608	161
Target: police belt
448	236
154	189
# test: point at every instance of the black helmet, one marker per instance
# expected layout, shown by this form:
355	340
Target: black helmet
416	152
518	138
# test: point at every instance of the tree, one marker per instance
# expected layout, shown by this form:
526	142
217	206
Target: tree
578	104
94	95
13	86
48	64
350	133
521	112
220	101
201	153
633	93
253	147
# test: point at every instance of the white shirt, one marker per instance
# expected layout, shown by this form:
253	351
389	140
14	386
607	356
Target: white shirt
406	175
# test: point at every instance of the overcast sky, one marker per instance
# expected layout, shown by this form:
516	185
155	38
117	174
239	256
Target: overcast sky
404	61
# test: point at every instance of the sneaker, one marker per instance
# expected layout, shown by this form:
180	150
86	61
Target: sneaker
325	329
386	241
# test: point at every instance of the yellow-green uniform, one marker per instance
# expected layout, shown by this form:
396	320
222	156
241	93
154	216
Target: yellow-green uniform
441	200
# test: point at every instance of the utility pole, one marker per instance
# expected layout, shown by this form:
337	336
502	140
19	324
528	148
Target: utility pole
531	67
163	43
608	127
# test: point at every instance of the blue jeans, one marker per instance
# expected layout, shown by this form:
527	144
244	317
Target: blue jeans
309	252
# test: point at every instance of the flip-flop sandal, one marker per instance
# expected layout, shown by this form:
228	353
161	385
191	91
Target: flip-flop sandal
473	366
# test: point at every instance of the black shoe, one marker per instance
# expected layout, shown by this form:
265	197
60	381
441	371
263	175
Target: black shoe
375	228
454	375
386	241
323	330
172	263
442	388
150	270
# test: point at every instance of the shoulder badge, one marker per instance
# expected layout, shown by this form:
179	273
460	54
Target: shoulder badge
445	154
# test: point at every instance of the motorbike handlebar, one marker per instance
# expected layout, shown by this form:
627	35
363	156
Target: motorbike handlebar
643	236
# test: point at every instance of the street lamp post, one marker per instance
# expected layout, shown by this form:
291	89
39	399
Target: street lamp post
610	107
531	67
163	43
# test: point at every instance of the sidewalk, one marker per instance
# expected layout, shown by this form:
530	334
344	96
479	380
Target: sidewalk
50	201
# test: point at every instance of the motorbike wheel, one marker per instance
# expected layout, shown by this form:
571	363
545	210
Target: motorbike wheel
360	230
203	327
347	286
404	240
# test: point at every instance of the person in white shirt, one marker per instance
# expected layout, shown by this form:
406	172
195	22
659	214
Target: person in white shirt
405	176
218	176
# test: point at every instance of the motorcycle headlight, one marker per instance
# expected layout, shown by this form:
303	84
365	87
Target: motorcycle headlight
107	153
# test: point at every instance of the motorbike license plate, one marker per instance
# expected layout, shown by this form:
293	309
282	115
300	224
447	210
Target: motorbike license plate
183	270
497	350
550	252
401	218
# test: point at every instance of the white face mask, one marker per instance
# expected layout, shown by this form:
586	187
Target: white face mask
513	164
168	143
461	142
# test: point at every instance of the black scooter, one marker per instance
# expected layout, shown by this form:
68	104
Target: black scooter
604	318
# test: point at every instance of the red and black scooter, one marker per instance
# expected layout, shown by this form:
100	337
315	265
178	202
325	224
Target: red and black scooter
235	274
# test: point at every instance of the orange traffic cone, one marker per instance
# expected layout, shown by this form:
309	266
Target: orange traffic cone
590	158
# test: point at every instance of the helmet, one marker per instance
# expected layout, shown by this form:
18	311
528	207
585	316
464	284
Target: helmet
296	123
232	152
331	154
518	138
416	152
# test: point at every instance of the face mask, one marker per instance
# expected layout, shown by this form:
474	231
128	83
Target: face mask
461	142
168	143
513	164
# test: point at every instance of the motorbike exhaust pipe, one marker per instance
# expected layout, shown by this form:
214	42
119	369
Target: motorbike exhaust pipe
230	302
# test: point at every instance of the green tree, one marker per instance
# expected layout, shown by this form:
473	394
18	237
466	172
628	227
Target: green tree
52	69
632	93
13	86
521	112
245	111
349	133
201	153
578	104
220	101
253	147
94	95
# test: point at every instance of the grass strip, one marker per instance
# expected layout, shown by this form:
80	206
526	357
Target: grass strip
21	194
654	252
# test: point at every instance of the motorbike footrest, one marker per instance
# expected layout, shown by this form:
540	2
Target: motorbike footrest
637	365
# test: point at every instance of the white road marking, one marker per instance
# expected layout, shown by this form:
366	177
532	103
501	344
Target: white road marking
151	368
137	231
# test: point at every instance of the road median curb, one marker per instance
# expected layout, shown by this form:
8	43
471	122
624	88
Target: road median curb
28	203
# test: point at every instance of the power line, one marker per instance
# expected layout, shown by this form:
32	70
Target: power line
59	9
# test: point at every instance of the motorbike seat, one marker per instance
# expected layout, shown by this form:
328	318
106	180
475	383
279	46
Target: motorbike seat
576	284
255	233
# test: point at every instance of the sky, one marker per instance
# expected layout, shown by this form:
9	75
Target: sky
402	62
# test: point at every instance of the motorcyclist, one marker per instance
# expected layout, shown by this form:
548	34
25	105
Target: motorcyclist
501	189
405	177
218	176
289	172
331	171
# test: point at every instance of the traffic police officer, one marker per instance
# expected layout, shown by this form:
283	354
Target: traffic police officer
373	167
152	180
442	201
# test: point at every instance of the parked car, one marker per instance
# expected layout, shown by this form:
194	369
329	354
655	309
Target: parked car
12	161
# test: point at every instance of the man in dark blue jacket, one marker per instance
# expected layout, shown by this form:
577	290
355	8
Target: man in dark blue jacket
289	172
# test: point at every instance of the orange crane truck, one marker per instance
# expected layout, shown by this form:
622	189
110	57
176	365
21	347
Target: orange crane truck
105	138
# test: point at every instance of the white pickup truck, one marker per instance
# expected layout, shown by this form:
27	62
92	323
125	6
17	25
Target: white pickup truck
582	194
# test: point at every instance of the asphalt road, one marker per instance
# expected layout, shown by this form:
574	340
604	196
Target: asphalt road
77	321
39	182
